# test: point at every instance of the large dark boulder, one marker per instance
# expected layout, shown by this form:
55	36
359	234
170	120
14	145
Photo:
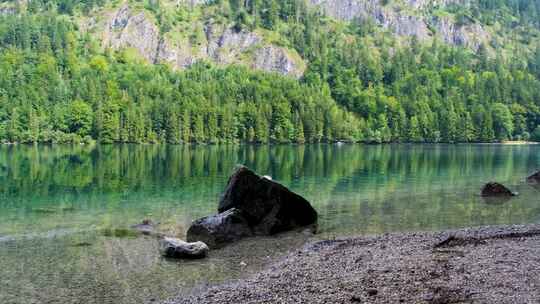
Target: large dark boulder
268	207
220	229
493	189
252	205
534	179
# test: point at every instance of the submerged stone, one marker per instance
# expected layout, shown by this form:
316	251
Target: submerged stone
146	227
493	189
119	232
44	210
82	244
176	248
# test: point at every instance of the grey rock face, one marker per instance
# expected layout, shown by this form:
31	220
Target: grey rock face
7	11
192	2
470	35
271	58
126	28
220	229
410	22
423	4
12	7
176	248
399	22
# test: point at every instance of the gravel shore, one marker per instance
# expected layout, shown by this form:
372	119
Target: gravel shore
478	265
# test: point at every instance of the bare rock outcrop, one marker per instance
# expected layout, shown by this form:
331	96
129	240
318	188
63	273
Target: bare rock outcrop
125	27
128	29
413	21
470	35
398	22
12	7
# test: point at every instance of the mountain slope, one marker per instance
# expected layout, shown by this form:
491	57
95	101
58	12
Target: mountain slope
269	70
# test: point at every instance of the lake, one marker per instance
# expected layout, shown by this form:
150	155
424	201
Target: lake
63	209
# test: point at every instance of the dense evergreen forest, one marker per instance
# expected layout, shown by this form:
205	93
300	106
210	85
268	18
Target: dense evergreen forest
362	84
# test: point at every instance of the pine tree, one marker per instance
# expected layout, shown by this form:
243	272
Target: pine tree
486	132
299	136
186	127
414	135
198	129
14	127
212	128
172	126
250	135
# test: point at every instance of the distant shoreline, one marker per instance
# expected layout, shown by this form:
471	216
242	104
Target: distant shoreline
516	143
493	264
506	143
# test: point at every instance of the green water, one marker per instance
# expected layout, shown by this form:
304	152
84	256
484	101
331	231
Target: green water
56	203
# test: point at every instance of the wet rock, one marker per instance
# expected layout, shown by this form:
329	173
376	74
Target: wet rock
220	229
252	205
493	189
268	207
82	244
534	179
176	248
44	210
372	292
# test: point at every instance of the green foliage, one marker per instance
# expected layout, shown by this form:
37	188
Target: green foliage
80	118
536	134
57	86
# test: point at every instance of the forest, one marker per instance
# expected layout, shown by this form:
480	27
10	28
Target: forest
58	85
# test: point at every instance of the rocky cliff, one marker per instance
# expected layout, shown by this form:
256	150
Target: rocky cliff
125	27
408	18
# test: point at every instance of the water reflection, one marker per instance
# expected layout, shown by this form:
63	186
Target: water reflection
54	201
43	186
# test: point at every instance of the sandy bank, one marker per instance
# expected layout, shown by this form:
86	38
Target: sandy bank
481	265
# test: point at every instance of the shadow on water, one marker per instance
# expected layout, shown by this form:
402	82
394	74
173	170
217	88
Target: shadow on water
65	210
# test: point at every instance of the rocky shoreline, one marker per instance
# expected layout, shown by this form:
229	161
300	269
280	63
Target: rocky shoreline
498	264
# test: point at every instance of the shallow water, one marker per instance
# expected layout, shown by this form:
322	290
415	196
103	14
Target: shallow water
56	202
